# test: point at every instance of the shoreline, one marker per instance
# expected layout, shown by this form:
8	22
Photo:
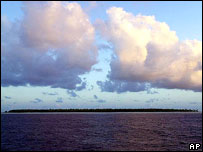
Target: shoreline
3	113
97	110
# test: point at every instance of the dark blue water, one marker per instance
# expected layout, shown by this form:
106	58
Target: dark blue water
100	131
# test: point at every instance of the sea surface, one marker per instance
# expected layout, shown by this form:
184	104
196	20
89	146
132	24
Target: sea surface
100	131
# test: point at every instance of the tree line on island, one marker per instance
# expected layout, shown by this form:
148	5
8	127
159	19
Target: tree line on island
100	110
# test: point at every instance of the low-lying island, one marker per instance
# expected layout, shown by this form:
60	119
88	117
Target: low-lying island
99	110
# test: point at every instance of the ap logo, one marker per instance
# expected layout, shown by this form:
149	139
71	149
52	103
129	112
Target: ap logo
194	146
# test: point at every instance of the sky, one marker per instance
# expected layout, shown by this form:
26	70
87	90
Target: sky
101	55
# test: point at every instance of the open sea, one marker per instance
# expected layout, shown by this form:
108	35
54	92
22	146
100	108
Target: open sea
131	131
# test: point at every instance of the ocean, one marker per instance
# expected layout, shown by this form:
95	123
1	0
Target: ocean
104	131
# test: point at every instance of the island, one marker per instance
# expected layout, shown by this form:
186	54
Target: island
99	110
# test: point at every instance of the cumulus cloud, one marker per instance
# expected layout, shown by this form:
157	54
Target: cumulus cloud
147	51
51	46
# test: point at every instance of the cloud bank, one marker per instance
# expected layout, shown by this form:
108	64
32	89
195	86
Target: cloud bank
51	46
55	43
148	52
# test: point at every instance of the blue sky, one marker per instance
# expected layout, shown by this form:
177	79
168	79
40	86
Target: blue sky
185	18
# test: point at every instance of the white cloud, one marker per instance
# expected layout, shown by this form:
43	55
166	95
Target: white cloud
147	51
51	46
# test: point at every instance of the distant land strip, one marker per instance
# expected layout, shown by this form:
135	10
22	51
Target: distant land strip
99	110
